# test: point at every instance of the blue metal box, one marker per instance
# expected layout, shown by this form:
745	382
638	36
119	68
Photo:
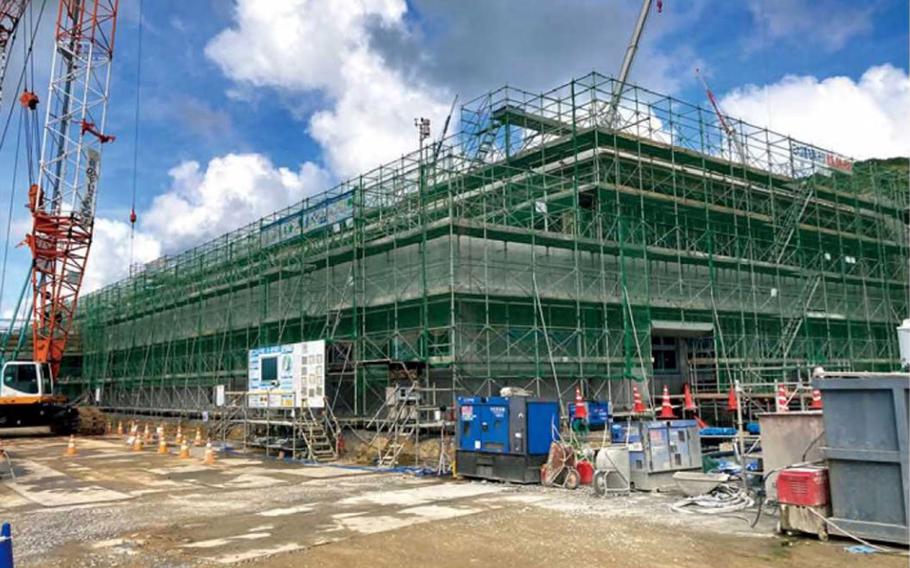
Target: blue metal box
599	415
505	438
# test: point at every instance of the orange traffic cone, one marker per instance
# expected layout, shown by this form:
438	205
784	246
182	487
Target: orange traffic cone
782	403
137	443
120	428
198	441
816	400
162	445
581	409
638	407
184	451
666	409
179	437
688	404
70	448
209	457
732	403
147	434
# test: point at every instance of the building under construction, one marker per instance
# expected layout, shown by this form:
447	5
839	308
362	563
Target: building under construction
594	235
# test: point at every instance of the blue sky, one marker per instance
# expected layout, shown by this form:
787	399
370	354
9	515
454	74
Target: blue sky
246	106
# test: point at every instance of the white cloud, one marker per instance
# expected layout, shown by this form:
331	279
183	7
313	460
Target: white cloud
862	119
110	255
323	46
201	204
830	23
232	191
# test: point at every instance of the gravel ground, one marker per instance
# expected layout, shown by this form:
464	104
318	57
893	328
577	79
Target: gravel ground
253	512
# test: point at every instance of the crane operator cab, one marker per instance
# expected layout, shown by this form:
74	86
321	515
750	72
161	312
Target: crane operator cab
27	399
26	380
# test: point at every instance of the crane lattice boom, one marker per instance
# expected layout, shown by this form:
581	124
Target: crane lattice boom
63	200
10	13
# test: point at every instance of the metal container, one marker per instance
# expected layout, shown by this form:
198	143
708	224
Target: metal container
866	426
612	475
789	438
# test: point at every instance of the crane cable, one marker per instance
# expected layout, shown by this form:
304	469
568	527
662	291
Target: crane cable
136	140
12	196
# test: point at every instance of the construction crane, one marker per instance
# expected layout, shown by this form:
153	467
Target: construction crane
611	115
11	12
62	205
725	126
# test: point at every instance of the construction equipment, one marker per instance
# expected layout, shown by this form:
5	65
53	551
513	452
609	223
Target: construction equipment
658	449
804	500
62	205
611	118
504	438
728	130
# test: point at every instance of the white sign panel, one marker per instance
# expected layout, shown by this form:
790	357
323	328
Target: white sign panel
287	376
312	373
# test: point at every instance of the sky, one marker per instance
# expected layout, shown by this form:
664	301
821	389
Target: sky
226	110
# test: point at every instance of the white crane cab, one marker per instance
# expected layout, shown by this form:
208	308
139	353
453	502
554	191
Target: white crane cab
26	382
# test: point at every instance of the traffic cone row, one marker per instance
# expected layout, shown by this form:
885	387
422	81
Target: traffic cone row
816	400
71	447
666	409
209	458
782	399
184	450
638	407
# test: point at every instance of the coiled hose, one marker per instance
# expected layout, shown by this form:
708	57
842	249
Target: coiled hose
726	498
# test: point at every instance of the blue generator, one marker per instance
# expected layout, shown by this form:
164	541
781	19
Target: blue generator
504	438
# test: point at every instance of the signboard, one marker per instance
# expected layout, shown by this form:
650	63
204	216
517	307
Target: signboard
332	211
823	159
287	376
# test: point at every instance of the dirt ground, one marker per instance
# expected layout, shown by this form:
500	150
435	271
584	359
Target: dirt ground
110	506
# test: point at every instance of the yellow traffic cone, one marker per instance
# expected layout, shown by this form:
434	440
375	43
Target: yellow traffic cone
179	437
209	458
184	451
137	443
147	434
70	448
162	445
198	442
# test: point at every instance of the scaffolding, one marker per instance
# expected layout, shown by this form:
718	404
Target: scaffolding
535	247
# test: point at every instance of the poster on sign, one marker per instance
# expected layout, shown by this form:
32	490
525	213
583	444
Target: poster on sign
287	376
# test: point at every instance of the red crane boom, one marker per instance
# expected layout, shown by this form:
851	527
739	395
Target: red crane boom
63	201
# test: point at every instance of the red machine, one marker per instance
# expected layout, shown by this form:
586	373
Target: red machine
804	500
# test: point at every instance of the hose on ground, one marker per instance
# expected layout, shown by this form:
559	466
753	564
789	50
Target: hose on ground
726	498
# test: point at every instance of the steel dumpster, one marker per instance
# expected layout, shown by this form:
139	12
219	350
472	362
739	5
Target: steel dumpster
866	417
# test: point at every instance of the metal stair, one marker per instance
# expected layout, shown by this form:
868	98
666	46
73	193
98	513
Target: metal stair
790	221
793	325
319	441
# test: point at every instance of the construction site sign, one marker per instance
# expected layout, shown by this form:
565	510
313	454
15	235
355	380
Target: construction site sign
287	376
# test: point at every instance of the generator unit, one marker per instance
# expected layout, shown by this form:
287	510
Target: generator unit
802	493
504	438
658	449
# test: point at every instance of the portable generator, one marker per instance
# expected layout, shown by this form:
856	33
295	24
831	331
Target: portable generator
804	500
